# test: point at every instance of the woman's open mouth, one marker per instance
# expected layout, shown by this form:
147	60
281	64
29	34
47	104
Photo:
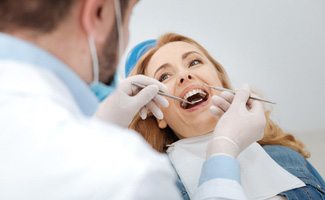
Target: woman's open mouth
196	97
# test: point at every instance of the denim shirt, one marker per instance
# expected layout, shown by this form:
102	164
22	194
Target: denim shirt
297	165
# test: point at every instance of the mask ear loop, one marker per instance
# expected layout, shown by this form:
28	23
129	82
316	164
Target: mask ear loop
94	57
92	46
119	25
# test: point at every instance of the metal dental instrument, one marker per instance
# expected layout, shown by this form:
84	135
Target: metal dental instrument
164	94
233	92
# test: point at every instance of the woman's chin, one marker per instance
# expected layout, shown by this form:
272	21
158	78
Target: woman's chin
200	126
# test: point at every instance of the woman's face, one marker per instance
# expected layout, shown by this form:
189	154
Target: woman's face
184	69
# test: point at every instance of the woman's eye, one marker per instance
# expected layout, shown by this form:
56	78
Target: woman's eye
163	77
195	62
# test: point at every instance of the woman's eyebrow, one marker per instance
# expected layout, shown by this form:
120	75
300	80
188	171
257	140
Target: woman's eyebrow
160	68
189	53
183	57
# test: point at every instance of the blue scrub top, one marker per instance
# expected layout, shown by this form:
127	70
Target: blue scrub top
13	48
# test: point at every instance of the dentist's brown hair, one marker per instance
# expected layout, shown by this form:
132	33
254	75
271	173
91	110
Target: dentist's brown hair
42	16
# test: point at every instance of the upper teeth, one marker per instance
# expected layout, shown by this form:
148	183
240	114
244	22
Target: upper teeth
193	92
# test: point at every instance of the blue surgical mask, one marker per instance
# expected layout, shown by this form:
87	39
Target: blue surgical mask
101	90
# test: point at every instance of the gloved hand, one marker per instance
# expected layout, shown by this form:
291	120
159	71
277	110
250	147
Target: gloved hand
221	103
124	103
242	123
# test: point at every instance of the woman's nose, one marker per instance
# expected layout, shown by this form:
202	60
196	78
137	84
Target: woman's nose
182	79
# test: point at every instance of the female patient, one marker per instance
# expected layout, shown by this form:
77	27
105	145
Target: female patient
185	67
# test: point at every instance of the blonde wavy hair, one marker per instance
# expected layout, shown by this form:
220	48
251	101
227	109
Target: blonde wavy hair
160	138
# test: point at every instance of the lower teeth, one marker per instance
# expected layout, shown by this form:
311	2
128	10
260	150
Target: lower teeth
196	101
187	105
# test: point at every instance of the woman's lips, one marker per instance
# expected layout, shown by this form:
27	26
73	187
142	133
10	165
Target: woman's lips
198	106
191	88
196	95
203	100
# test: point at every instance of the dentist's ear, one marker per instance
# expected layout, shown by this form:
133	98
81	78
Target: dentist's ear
97	18
161	123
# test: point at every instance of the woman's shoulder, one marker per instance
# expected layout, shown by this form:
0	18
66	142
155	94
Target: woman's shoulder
290	160
286	157
296	164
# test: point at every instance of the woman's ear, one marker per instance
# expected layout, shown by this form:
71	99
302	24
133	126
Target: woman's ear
161	123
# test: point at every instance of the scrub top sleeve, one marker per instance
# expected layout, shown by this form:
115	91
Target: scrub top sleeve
220	179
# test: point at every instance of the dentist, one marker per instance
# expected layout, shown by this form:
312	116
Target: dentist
56	141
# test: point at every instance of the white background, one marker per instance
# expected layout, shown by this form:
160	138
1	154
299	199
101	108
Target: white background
275	46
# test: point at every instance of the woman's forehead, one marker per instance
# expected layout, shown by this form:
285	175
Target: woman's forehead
174	48
170	52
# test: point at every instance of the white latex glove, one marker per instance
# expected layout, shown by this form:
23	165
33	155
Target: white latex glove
221	103
242	123
124	103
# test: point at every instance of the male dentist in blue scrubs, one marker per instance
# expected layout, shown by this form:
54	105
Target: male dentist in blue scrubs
57	142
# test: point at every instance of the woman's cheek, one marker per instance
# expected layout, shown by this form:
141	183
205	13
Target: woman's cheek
169	87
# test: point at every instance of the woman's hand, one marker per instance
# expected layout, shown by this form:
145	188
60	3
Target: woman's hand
242	123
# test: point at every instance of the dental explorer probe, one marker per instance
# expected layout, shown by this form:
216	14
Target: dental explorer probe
233	92
165	94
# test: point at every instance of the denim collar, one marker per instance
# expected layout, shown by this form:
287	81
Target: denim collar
17	49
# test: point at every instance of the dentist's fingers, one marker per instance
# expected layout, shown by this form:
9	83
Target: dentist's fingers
143	113
257	107
152	107
220	102
241	96
161	101
145	96
250	101
227	95
216	110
